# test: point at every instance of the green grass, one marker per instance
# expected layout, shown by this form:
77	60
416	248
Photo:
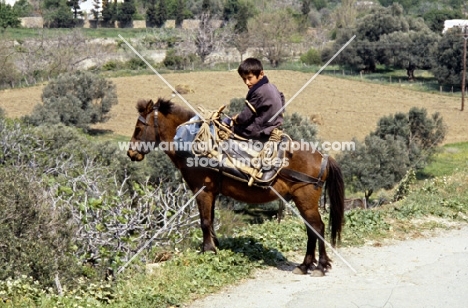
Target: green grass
453	157
112	33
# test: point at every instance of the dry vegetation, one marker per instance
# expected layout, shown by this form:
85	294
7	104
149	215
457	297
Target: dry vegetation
346	108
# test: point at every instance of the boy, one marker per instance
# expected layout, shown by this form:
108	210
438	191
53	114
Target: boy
264	101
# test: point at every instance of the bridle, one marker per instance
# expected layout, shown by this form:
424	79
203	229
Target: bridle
145	121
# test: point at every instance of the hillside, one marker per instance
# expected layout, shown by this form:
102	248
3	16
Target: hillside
346	108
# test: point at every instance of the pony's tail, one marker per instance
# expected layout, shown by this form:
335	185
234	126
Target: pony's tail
335	186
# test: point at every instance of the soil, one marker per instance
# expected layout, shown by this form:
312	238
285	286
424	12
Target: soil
345	108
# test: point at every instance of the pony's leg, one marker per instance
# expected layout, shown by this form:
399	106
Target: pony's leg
206	201
306	200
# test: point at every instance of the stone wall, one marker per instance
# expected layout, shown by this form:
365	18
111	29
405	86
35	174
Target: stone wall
188	24
32	22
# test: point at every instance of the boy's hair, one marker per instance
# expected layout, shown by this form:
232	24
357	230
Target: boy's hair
250	65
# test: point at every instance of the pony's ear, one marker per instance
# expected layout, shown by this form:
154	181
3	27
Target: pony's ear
149	106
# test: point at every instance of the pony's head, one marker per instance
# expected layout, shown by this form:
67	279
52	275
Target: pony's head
146	134
156	122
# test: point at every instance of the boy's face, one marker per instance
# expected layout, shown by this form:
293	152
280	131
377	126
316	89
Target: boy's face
250	79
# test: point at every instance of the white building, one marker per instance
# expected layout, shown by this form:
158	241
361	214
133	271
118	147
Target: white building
455	23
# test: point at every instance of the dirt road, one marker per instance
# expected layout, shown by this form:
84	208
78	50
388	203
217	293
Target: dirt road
429	272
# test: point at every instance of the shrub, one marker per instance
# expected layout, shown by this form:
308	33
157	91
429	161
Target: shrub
135	64
110	65
35	236
173	61
376	163
400	142
420	132
311	57
75	99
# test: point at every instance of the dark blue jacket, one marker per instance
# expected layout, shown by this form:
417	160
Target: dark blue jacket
267	101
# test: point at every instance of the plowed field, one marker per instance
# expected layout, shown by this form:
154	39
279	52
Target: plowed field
345	108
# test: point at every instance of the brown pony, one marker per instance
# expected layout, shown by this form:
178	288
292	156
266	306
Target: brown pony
301	181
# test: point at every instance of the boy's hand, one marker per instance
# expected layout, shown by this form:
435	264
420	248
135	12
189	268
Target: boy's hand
227	121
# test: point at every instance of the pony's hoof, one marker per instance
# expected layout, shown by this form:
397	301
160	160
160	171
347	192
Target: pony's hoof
298	271
317	273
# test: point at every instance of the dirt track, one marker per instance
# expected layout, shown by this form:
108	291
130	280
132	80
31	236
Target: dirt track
428	272
346	108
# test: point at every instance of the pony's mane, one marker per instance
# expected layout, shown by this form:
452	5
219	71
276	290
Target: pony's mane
166	107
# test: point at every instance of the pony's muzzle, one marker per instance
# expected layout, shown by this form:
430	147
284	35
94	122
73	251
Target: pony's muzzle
134	155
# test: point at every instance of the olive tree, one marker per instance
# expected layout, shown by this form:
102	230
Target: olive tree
399	143
272	32
75	99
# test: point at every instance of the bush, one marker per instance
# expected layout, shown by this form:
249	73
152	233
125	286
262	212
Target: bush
8	16
75	99
110	65
136	64
35	236
400	142
311	57
173	61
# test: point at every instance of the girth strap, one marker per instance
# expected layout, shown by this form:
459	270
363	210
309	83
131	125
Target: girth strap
297	176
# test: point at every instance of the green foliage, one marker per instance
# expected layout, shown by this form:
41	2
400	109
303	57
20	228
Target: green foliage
109	11
179	13
406	4
27	292
35	236
172	60
161	13
151	19
299	128
387	36
311	57
236	105
422	134
9	73
447	66
23	8
125	13
435	18
240	12
400	142
273	32
77	99
319	4
135	64
305	7
403	188
363	223
177	62
110	65
450	159
9	17
376	163
57	14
